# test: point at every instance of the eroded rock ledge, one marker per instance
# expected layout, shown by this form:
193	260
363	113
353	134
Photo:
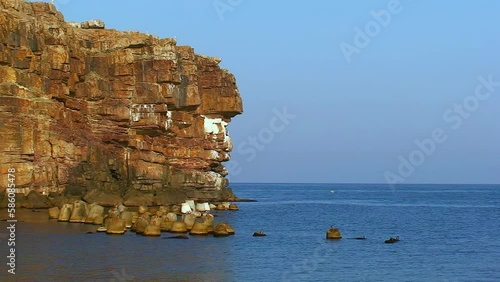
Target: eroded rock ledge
105	114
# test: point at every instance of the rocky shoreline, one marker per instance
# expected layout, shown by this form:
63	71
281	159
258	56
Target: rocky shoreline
188	217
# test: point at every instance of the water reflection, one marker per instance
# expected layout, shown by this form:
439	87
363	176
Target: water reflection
51	250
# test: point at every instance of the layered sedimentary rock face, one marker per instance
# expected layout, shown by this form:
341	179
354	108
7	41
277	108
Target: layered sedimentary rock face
86	110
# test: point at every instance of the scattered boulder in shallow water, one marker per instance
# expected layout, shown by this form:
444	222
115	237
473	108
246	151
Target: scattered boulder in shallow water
166	225
189	219
54	213
116	226
127	216
259	234
155	220
79	212
140	225
220	207
98	220
392	240
220	231
65	213
105	220
152	230
94	212
113	213
225	226
171	216
333	233
199	229
208	221
229	228
178	227
233	207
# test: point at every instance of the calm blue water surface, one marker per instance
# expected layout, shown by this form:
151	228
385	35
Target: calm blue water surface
447	232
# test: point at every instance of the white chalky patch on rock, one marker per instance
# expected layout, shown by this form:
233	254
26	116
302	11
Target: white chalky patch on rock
215	126
215	178
168	123
214	154
170	89
138	111
212	125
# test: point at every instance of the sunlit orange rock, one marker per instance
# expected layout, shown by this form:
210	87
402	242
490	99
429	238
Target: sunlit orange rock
86	109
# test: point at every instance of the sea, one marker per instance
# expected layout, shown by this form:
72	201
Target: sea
447	233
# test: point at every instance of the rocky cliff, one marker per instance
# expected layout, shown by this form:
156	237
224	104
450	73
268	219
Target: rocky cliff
109	115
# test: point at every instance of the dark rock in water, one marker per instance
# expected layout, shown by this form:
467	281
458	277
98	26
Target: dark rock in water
360	238
223	229
392	240
177	237
220	230
89	232
333	233
259	234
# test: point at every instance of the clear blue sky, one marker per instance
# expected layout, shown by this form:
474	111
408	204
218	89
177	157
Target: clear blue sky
353	119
